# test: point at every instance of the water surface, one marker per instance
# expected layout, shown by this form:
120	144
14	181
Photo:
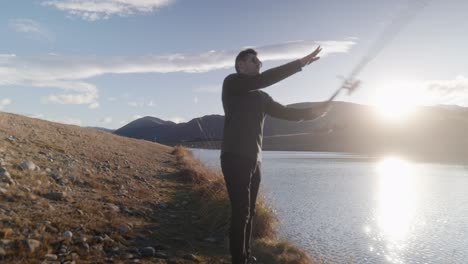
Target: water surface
345	208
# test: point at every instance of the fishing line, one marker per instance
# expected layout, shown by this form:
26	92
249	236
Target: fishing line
386	37
350	83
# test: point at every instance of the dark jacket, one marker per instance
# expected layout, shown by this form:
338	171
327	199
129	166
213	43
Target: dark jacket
245	108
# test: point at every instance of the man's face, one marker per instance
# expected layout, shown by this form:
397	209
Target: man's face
251	65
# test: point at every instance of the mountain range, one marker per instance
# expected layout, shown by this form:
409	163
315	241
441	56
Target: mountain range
436	132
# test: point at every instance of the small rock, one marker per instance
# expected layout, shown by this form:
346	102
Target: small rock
26	189
67	235
5	242
32	197
5	176
190	257
124	228
161	255
98	247
51	229
74	179
126	210
147	252
3	171
63	249
82	238
75	256
85	246
98	239
57	196
28	165
113	207
51	257
56	176
32	244
108	239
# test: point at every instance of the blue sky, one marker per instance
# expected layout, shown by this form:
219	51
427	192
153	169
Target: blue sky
105	63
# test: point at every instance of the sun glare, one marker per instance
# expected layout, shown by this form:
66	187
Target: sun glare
397	197
395	111
396	102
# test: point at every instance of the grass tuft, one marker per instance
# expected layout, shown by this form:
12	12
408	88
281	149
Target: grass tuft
214	206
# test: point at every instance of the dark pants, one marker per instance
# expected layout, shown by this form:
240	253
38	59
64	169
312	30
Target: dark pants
242	177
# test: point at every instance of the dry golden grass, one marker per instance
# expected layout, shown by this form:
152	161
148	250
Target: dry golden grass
214	208
105	172
273	251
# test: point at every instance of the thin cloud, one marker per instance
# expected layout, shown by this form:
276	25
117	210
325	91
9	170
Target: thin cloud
79	67
70	73
105	120
446	87
31	29
4	102
83	93
94	105
429	92
295	49
135	104
142	103
449	91
92	10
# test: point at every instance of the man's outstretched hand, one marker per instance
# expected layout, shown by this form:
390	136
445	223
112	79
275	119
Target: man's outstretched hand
311	57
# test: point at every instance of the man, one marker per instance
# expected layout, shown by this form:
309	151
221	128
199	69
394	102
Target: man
245	108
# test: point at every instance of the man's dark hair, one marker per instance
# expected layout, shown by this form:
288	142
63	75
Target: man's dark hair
242	56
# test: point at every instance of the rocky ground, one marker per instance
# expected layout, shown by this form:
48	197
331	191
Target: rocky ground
75	195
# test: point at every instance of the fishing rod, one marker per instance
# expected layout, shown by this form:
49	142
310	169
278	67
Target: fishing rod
351	84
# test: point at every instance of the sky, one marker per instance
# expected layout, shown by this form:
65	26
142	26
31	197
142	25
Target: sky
107	62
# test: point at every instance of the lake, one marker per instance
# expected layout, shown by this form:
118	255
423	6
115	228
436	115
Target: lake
345	208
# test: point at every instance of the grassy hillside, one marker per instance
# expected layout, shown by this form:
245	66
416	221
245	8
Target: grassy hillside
74	194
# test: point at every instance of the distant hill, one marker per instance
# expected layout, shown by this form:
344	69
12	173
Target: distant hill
433	132
103	129
153	129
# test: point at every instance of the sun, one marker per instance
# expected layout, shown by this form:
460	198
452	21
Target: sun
396	103
394	111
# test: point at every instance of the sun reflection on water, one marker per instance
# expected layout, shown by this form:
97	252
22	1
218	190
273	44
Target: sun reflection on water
397	199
